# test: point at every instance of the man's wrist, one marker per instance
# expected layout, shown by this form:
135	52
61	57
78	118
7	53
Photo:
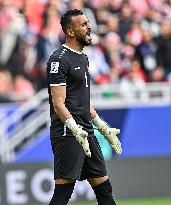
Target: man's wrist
97	122
70	123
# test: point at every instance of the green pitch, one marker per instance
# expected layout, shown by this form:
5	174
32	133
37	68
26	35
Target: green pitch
133	202
164	201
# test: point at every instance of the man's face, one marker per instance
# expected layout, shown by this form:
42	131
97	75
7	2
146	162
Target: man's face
82	29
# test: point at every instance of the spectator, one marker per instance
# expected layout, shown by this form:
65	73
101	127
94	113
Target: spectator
79	4
33	11
164	47
98	67
126	20
11	24
139	8
115	6
113	48
17	61
166	9
151	23
113	23
134	36
133	80
22	88
127	55
157	75
146	52
101	17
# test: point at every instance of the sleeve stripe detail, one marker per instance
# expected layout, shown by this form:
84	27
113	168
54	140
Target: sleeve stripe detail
59	84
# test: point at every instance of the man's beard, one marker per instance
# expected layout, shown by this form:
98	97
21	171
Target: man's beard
82	40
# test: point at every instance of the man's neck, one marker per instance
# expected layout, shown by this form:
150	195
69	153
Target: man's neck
74	45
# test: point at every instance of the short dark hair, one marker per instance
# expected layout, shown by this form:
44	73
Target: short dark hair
66	18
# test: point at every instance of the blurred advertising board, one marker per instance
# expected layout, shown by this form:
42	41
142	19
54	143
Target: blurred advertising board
33	183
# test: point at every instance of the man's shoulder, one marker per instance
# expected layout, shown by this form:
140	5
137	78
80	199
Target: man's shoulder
60	55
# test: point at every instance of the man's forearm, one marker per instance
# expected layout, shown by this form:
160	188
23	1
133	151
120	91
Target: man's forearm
58	99
93	112
62	112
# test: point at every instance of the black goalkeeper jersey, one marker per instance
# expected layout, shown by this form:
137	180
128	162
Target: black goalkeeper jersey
69	68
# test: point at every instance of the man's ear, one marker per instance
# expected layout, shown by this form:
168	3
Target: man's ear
70	32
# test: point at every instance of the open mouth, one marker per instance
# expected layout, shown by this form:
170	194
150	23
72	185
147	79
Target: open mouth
88	34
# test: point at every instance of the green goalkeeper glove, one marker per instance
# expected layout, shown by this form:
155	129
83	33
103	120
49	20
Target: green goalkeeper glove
110	134
80	135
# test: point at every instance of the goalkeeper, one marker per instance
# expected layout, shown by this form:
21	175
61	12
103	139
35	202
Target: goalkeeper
77	154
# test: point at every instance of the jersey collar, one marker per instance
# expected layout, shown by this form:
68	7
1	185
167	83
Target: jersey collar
72	49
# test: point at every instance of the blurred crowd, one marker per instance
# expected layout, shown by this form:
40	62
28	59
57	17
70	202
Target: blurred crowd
131	42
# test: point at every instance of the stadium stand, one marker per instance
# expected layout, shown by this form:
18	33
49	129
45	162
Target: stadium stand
131	41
